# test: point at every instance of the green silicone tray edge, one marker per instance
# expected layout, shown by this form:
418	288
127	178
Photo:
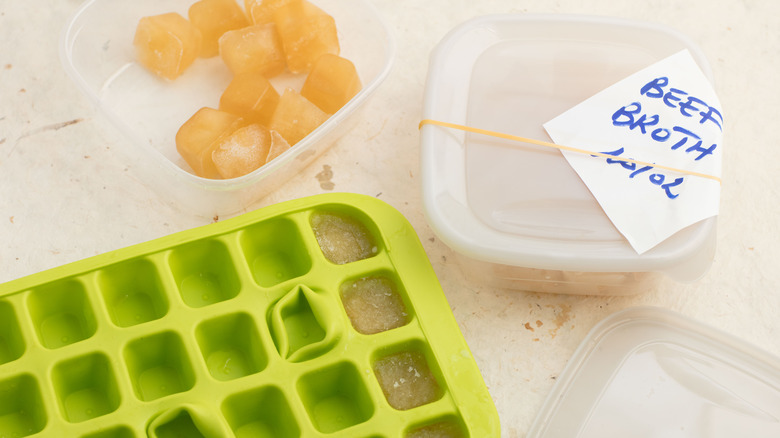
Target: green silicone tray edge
440	328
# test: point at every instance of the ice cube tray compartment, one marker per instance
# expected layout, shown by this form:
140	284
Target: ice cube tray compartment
242	328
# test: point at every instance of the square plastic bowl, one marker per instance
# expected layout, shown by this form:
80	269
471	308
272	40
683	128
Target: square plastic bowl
517	215
649	372
97	52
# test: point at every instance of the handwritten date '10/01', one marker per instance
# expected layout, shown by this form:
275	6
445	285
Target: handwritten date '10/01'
656	178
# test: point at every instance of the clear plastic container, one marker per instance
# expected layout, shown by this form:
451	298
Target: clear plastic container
518	215
97	52
649	373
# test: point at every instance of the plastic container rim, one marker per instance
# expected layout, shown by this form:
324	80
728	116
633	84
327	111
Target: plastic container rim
615	321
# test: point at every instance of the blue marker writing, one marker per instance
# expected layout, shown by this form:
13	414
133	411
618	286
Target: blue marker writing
631	116
654	178
676	98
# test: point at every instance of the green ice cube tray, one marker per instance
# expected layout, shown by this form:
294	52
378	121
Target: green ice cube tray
231	329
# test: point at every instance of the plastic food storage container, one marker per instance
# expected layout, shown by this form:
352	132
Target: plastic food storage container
237	328
517	215
647	372
97	52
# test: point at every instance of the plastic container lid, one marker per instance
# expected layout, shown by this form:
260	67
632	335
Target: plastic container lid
650	373
502	202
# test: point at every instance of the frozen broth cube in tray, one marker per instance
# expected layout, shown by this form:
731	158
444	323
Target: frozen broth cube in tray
213	18
253	49
406	380
251	96
307	32
295	117
197	138
373	305
444	429
332	82
166	44
342	239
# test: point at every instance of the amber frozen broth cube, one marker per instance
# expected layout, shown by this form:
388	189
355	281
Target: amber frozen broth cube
278	146
197	138
332	82
251	96
166	44
342	239
213	18
307	32
295	117
243	151
406	380
373	305
253	49
262	11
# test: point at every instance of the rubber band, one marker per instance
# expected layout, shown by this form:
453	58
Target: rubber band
560	147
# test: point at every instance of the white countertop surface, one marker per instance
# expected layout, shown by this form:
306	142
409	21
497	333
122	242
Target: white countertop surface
65	195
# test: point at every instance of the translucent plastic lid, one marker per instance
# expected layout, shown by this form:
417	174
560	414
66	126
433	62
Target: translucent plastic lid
505	202
651	373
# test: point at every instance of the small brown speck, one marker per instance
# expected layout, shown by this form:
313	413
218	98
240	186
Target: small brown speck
536	339
539	323
11	219
325	177
22	90
8	66
750	248
431	239
86	156
216	218
528	326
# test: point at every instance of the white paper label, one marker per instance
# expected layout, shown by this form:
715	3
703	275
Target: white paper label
667	114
